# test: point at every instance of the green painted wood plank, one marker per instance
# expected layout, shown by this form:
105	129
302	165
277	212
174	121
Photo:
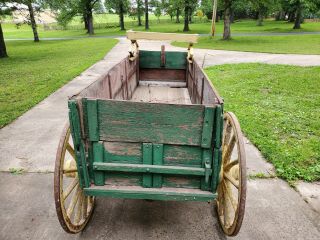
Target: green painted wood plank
207	127
149	59
121	152
146	168
177	155
92	118
151	193
158	160
179	181
176	60
99	177
218	127
148	122
78	144
207	165
147	160
124	179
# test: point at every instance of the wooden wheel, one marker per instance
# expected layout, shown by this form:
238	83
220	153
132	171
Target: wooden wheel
232	186
74	209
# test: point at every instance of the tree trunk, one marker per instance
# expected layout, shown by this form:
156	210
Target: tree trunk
146	3
121	13
177	15
139	12
260	18
227	13
186	17
85	20
33	22
3	50
190	15
298	16
291	17
90	22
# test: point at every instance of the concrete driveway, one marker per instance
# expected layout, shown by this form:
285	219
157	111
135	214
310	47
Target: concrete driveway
274	210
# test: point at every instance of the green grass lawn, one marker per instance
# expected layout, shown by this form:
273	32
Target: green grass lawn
299	44
244	26
35	70
278	108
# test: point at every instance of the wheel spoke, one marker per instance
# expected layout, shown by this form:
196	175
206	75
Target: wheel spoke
85	206
231	179
70	188
227	153
230	197
78	215
231	165
74	201
71	150
226	207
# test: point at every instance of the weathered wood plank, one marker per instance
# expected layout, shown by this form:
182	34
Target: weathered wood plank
123	179
161	94
186	156
147	122
175	194
162	74
122	152
191	182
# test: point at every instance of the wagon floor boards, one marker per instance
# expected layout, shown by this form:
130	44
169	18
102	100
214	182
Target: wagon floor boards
161	94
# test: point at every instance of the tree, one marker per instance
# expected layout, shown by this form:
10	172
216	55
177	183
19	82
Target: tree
121	7
32	19
33	6
139	11
263	7
68	9
3	49
187	9
146	9
157	6
4	10
227	22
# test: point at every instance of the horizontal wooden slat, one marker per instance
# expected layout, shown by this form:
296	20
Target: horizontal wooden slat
162	74
146	168
175	194
134	35
149	122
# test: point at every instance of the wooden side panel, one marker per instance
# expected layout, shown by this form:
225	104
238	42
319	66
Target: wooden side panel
149	122
200	88
162	74
118	83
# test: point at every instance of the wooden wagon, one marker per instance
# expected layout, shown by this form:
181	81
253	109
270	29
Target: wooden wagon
152	127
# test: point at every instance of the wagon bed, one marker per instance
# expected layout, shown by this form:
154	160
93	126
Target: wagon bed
152	127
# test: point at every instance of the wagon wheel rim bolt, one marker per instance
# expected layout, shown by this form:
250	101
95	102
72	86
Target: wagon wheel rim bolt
232	185
73	207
